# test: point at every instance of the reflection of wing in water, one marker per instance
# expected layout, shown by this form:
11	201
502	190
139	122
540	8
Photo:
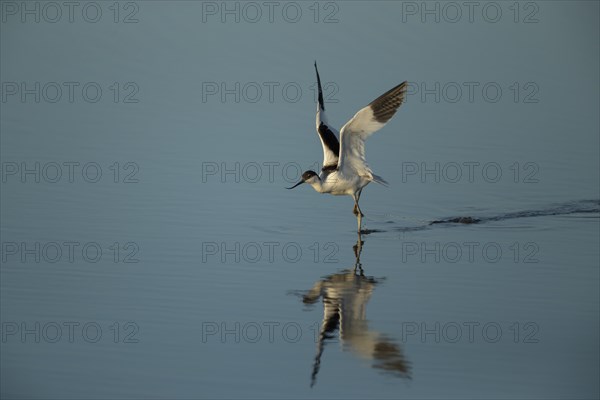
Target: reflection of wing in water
345	296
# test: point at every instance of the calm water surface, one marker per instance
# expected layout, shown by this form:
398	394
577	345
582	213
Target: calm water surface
173	263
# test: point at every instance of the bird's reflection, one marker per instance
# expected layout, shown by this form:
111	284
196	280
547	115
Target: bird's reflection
345	296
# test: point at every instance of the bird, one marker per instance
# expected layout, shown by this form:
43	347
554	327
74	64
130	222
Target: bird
345	170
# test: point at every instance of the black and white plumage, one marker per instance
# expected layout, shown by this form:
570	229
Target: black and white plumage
345	170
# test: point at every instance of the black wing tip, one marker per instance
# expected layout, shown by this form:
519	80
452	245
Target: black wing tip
321	102
385	106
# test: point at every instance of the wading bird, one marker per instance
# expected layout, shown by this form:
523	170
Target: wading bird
345	170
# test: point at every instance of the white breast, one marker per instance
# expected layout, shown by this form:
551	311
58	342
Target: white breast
337	184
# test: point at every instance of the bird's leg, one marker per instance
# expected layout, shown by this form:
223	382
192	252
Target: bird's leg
356	210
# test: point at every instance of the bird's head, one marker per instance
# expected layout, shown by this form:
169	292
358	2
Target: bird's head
309	177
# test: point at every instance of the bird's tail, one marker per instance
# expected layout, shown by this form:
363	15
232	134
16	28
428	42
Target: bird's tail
380	180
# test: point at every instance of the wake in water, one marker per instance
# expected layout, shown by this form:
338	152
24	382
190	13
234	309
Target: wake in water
573	207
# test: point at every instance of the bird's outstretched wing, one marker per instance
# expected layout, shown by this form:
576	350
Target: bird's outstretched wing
364	123
327	134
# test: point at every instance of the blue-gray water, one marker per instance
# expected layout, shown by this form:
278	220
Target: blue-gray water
150	250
